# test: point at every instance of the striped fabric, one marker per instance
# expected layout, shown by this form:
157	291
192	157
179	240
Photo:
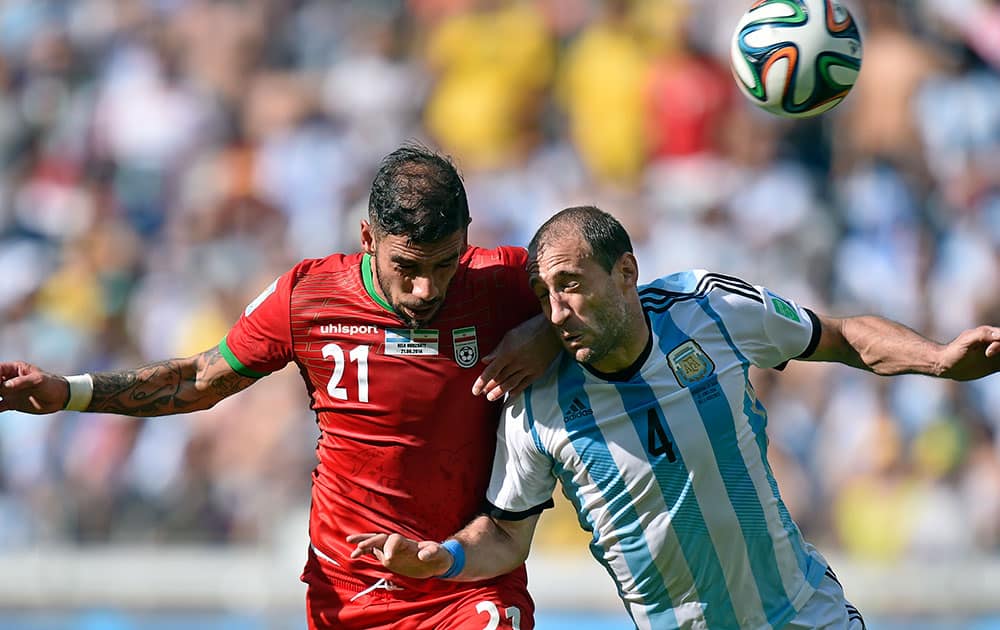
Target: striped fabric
668	469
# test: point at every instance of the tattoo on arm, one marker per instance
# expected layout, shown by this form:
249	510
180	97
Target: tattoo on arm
167	387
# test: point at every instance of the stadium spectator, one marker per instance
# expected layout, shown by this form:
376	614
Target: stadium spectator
491	66
688	95
600	87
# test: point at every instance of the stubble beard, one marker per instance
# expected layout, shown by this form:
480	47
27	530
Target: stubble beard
610	326
408	321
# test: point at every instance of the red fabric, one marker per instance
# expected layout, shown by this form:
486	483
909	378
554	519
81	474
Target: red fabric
437	605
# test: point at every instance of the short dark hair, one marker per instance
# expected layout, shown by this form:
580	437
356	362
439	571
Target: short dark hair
419	194
605	236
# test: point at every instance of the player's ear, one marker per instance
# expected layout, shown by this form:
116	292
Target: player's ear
367	238
628	268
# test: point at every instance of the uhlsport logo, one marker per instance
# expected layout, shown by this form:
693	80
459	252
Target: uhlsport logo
348	329
576	410
466	346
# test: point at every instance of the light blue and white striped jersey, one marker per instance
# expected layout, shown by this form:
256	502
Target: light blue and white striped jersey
667	466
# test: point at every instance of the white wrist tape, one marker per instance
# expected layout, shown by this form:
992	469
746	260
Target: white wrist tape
81	390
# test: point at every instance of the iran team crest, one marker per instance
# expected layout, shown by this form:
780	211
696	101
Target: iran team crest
466	346
689	363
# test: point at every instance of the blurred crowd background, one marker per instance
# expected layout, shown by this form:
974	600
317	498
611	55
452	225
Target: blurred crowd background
161	161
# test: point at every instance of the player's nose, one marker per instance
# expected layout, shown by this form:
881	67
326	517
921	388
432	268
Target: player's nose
558	312
425	288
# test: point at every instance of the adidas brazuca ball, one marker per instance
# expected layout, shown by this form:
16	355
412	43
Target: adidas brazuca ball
796	58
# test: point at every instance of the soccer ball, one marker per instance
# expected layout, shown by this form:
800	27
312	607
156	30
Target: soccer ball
796	58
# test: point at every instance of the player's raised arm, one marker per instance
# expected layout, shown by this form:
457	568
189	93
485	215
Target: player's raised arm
485	548
886	347
156	389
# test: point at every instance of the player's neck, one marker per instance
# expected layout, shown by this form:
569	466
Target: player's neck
632	348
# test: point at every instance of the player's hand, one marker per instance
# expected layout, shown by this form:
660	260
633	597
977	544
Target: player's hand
973	354
24	387
523	355
415	559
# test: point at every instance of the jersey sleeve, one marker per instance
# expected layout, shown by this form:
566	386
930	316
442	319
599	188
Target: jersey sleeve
522	480
520	304
261	340
767	328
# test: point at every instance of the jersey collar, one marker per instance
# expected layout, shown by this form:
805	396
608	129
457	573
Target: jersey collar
369	280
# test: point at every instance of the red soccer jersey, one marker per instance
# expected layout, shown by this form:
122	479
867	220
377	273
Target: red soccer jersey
404	445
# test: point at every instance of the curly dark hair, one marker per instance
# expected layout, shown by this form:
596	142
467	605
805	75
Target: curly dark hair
418	193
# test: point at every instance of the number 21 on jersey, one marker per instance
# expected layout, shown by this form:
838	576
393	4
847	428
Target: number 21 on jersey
358	355
511	613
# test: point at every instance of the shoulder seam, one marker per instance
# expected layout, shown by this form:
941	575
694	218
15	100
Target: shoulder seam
659	300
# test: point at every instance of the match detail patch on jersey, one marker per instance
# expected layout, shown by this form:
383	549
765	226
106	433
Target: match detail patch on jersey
783	308
466	346
417	342
252	306
689	363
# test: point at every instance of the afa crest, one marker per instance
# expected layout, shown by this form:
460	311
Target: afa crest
689	363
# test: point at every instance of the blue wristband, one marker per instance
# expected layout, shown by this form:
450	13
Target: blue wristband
458	558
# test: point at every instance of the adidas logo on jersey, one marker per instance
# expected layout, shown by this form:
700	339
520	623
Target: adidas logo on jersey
576	410
341	329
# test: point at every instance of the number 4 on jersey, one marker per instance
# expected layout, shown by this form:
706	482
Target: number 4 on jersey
657	442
